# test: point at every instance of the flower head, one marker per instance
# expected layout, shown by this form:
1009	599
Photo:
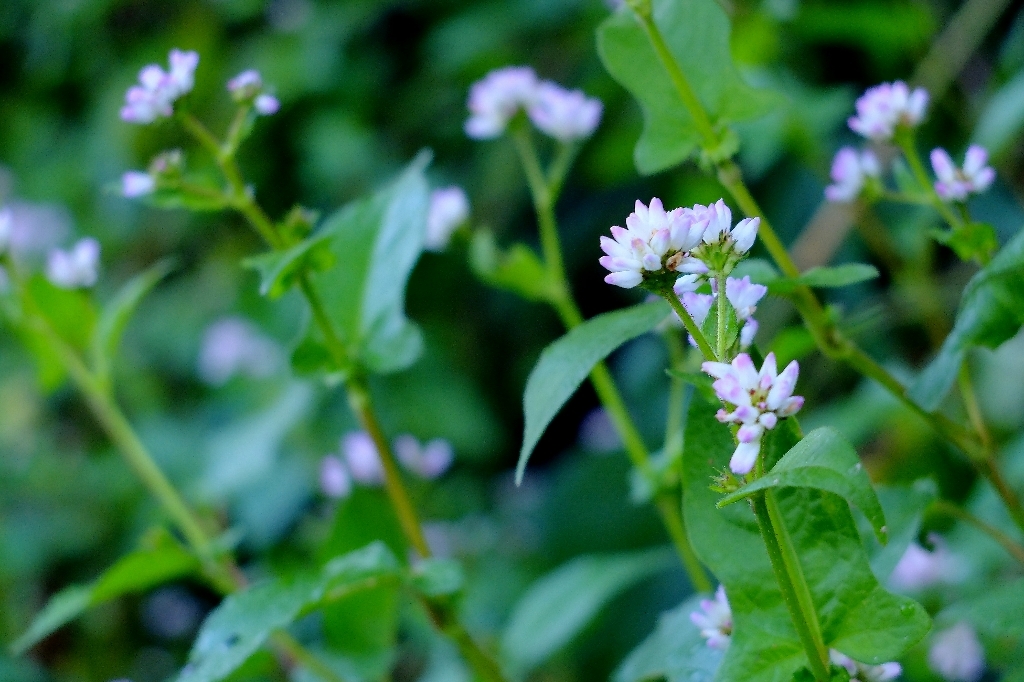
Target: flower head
565	115
653	240
136	184
77	268
246	85
157	90
449	208
744	295
361	456
850	173
883	108
861	672
955	184
957	655
497	98
335	481
723	245
760	400
426	461
266	105
714	620
918	568
233	346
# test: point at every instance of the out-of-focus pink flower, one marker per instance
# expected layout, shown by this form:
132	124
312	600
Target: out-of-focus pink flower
862	672
850	172
565	115
137	184
957	655
428	461
497	98
883	108
955	184
232	346
6	225
449	208
362	459
919	569
714	620
157	90
77	268
335	481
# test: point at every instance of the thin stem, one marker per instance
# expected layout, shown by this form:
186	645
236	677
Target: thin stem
970	399
669	506
1013	548
790	579
293	649
720	305
691	326
904	138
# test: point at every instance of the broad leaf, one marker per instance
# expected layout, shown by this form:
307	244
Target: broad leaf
278	269
159	560
991	312
828	277
245	620
560	605
438	577
823	460
374	244
697	34
857	616
674	652
1002	119
566	363
518	269
904	508
995	612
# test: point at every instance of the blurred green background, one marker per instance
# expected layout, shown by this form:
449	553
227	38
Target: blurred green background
364	85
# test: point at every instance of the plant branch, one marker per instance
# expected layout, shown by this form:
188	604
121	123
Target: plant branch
1013	548
904	139
691	325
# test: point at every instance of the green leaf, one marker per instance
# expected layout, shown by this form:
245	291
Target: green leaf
244	620
991	312
1002	119
438	577
564	365
904	508
827	277
518	269
556	608
697	34
857	616
116	314
994	612
970	241
70	312
674	652
823	460
168	198
278	269
160	559
759	270
374	243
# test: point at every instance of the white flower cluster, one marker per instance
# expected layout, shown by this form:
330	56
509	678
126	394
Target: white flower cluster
957	655
695	242
565	115
714	620
77	268
157	90
883	109
233	346
248	87
359	462
449	209
760	400
862	672
920	569
742	294
851	172
955	184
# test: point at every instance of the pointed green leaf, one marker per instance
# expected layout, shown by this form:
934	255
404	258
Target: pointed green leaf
825	461
564	365
159	560
674	652
991	312
278	269
857	616
697	34
556	608
518	269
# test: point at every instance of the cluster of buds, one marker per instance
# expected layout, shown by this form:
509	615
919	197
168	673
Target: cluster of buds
566	115
359	462
742	294
165	168
157	90
247	88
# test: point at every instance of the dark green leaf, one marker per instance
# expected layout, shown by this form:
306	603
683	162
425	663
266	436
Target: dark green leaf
674	652
697	34
556	608
278	269
991	312
244	620
159	560
566	363
518	269
857	616
825	461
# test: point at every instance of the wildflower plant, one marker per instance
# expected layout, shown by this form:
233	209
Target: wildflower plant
811	563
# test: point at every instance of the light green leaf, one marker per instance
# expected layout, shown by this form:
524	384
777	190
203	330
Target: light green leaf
827	277
116	314
556	608
1002	119
970	241
857	616
674	652
697	34
564	365
278	269
374	243
904	508
991	312
245	620
167	198
518	269
759	270
160	559
825	461
438	577
994	612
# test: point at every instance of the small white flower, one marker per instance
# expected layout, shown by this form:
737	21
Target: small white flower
449	209
246	85
77	268
850	172
6	225
955	184
233	346
652	240
760	400
919	569
497	98
862	672
361	456
881	109
565	115
266	105
747	333
744	296
428	461
136	184
957	655
723	244
714	620
157	90
335	481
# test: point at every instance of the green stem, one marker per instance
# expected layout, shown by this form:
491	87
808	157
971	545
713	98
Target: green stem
1013	548
904	139
691	325
720	304
485	666
669	508
791	582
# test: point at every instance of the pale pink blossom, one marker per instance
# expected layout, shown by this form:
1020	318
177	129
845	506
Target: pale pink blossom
449	209
714	620
744	296
137	184
497	98
723	244
234	346
759	399
863	672
955	184
883	108
427	461
850	173
157	90
77	268
957	655
246	85
919	569
362	459
653	240
266	105
335	481
565	115
6	225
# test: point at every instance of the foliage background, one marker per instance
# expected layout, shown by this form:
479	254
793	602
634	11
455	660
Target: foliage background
364	86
